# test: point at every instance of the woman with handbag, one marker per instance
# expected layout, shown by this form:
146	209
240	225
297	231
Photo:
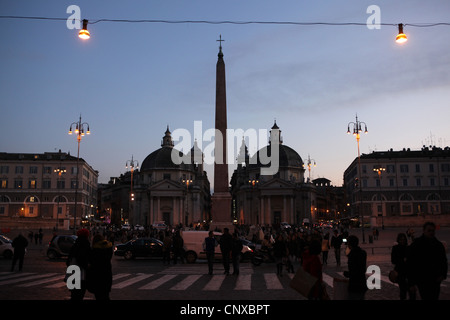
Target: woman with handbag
312	265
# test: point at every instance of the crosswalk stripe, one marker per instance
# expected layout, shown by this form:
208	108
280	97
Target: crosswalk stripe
26	278
215	283
244	282
156	283
327	279
38	282
14	275
131	281
272	281
186	282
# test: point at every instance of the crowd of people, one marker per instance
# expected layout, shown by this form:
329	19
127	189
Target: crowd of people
419	263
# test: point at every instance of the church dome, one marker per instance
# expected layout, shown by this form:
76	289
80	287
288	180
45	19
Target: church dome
162	158
288	157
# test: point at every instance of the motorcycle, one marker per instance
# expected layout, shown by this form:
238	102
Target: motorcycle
262	255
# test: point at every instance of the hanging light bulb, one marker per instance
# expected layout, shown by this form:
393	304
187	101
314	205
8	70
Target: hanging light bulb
84	33
401	37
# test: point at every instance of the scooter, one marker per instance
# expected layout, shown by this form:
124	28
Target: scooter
262	255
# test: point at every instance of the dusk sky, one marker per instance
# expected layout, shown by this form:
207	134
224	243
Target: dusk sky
130	80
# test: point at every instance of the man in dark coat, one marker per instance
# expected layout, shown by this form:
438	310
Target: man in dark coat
79	255
99	276
426	263
226	245
19	244
356	274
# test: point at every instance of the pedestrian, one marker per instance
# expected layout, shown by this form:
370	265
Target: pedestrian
79	255
280	253
236	253
357	261
398	259
226	245
41	235
167	246
336	242
312	265
426	263
19	244
325	248
31	236
209	246
99	276
178	247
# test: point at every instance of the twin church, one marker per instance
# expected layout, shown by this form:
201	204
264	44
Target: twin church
179	194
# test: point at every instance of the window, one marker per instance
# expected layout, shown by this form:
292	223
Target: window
418	182
47	170
73	184
391	183
166	176
33	170
404	168
3	183
417	167
61	184
18	184
46	184
445	167
378	183
390	168
431	167
432	183
4	169
405	182
19	169
32	184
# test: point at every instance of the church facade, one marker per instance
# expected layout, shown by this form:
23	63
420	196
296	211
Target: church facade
166	191
272	199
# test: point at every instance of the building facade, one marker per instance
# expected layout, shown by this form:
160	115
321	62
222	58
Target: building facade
393	184
40	189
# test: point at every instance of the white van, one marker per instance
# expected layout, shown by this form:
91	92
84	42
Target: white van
193	245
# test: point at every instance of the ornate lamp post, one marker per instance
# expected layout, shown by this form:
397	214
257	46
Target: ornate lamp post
309	163
357	128
379	170
60	171
81	128
132	164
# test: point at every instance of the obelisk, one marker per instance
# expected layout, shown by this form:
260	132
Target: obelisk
221	198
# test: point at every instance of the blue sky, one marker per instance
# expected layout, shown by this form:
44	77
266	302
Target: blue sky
131	80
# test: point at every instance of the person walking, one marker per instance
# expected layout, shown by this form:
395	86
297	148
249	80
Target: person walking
325	248
19	244
167	246
236	253
99	276
398	259
356	274
178	247
209	246
280	252
426	263
336	242
226	245
311	264
79	255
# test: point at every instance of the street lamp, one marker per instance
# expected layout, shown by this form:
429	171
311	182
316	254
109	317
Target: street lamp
60	171
81	128
379	170
309	163
357	128
132	164
187	182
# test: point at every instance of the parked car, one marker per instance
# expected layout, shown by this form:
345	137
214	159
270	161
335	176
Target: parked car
140	247
60	246
6	248
160	225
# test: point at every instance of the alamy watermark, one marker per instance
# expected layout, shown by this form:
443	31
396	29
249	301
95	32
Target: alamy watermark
210	147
